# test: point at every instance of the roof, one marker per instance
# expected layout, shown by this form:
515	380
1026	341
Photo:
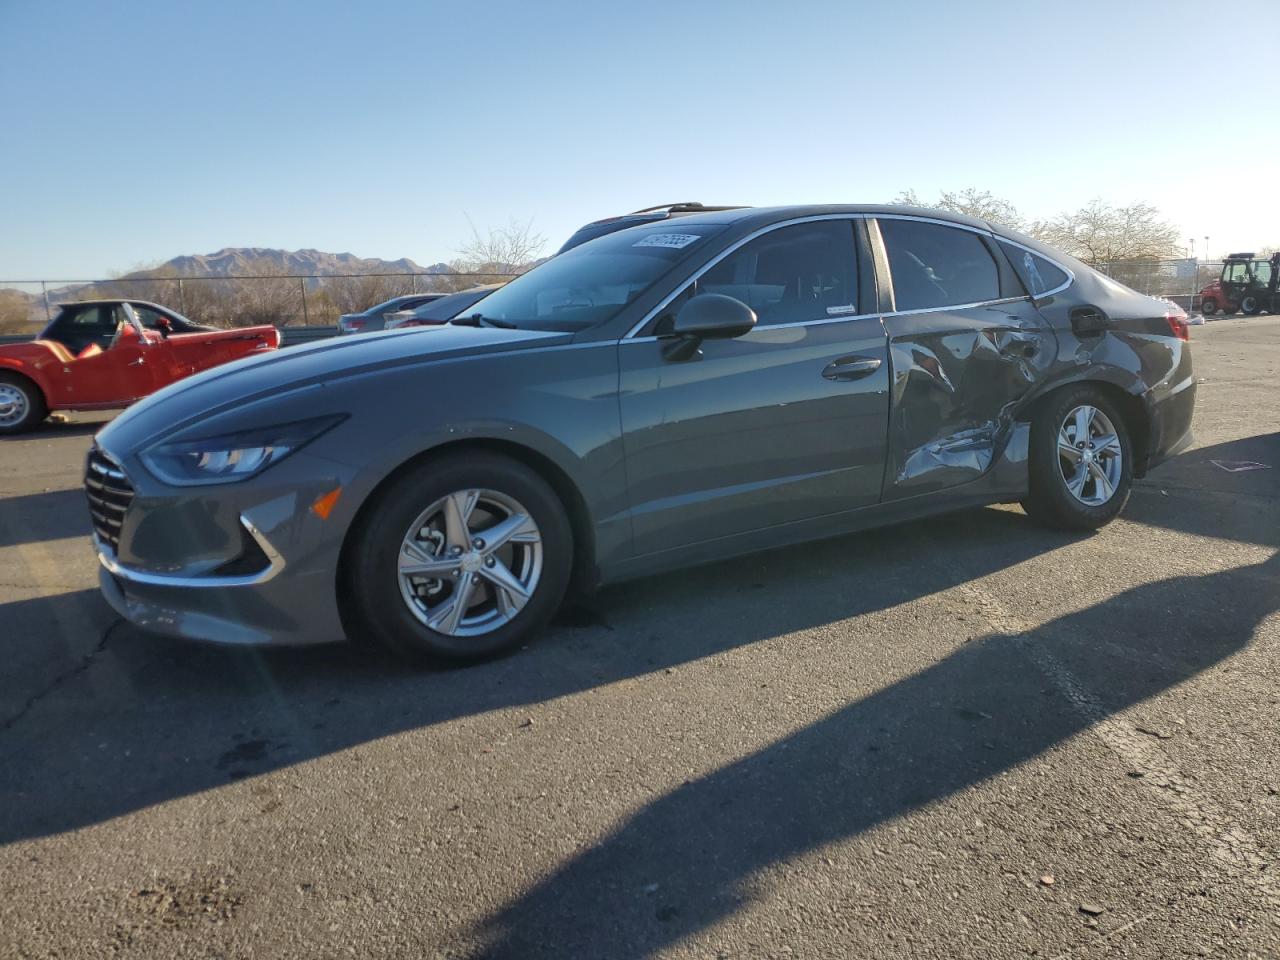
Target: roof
145	303
765	215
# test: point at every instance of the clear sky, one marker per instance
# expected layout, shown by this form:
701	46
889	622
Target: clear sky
136	131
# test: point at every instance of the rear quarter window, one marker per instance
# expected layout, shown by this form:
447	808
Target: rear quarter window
1037	274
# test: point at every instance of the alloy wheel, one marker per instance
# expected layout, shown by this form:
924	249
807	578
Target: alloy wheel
1090	455
470	562
13	405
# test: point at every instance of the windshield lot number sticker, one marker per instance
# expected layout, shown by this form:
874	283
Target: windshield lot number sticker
672	241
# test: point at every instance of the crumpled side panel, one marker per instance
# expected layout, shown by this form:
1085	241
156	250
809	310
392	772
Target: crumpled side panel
955	390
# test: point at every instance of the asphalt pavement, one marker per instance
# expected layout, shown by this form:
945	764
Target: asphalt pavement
961	737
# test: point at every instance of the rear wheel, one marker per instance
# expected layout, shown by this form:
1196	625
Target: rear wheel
1081	461
462	558
1209	306
1249	304
22	404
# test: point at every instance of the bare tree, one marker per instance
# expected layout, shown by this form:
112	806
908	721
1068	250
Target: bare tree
16	314
972	203
493	257
271	297
1100	233
354	294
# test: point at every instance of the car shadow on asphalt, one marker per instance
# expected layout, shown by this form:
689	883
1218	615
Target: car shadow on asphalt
37	517
53	429
162	720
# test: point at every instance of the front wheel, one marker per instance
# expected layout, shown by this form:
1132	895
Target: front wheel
1081	461
462	558
1209	306
22	404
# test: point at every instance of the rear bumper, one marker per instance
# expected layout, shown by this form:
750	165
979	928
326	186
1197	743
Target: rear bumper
1170	424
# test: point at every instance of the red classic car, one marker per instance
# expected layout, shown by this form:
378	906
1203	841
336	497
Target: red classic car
104	354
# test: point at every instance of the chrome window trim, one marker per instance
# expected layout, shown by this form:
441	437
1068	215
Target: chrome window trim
114	567
768	228
818	321
631	336
958	306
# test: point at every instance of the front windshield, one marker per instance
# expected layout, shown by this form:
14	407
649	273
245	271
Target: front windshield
591	284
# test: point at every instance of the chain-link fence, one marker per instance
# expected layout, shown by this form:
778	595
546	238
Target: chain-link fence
286	300
290	300
1176	279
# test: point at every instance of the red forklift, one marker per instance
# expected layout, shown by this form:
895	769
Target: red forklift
1247	283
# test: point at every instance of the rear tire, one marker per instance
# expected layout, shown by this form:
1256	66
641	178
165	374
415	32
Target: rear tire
1250	305
1081	461
421	578
22	404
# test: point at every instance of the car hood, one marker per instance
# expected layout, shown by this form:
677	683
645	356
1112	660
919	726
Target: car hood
328	362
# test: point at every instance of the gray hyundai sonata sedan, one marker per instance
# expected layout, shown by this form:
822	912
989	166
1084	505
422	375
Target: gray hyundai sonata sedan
666	395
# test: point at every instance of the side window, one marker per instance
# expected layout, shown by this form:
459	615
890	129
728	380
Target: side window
803	272
89	319
150	318
76	328
1236	273
1037	274
936	266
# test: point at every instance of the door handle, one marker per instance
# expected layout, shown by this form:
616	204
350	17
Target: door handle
137	363
851	368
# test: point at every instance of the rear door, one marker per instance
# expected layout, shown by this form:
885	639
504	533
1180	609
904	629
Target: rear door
786	423
966	344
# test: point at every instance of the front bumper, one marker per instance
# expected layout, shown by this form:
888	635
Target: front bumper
247	563
243	616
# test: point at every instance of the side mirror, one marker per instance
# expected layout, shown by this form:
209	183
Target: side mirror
708	316
127	332
165	327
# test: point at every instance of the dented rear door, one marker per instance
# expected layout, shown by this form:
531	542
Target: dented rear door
965	346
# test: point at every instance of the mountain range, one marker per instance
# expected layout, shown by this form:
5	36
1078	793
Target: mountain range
233	261
249	261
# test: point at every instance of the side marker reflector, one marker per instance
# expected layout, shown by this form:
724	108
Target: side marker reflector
324	505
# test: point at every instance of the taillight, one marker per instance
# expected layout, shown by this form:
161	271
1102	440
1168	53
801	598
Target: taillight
1178	325
354	325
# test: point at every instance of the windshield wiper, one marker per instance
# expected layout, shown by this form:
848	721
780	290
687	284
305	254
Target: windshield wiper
479	320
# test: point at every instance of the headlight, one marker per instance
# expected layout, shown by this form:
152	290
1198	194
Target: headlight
232	457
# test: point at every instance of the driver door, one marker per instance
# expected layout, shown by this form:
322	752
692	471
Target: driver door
122	373
783	424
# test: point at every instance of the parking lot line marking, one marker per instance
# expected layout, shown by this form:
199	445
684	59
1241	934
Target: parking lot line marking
1228	844
80	619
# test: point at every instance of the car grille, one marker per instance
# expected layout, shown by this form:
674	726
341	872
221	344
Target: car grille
110	493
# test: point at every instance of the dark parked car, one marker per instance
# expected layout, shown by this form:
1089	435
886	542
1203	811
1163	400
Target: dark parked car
441	311
375	317
665	395
666	211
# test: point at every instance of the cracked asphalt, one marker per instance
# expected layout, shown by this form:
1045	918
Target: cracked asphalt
963	737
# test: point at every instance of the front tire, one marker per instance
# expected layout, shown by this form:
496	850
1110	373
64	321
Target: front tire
1209	306
460	559
22	405
1081	461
